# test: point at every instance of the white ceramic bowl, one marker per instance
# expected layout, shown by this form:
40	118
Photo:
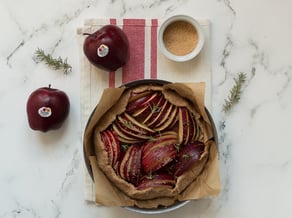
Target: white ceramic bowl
194	52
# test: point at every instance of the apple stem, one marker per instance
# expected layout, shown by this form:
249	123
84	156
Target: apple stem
49	86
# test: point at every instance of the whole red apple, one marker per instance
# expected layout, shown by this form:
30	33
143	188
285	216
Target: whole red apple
107	48
47	109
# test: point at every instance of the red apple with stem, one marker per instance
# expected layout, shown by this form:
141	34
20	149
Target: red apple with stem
47	108
107	48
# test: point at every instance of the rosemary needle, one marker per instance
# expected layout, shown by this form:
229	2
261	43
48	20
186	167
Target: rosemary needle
235	92
55	63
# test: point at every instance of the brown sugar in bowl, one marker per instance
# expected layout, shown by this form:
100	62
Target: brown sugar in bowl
180	38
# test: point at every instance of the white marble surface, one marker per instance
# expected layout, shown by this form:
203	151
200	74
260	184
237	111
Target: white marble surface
41	175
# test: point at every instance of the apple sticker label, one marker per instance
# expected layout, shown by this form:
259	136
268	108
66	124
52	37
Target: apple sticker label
102	50
45	112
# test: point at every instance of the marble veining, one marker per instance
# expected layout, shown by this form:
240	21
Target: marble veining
41	175
227	3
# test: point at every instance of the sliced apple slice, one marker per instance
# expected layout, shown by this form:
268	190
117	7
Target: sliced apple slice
130	166
123	135
189	129
112	146
155	109
127	128
159	151
163	115
188	155
198	132
168	121
142	114
142	102
194	129
134	96
164	180
130	130
184	123
137	127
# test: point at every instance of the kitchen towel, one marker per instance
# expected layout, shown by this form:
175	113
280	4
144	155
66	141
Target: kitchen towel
145	62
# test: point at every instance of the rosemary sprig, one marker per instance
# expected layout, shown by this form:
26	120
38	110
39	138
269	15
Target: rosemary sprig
177	147
151	175
152	139
125	147
186	156
235	92
154	108
54	63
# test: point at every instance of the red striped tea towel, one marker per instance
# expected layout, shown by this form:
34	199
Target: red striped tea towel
146	62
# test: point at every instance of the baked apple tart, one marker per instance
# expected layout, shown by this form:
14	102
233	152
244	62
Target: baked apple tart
152	143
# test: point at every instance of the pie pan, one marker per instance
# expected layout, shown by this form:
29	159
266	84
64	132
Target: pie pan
163	209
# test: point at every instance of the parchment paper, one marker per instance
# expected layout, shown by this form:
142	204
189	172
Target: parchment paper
206	184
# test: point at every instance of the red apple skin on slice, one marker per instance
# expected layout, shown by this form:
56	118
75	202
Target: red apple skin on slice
112	146
188	155
155	109
164	112
142	102
123	135
196	130
170	122
130	130
188	126
183	125
126	132
158	180
137	95
138	103
159	152
130	167
133	127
